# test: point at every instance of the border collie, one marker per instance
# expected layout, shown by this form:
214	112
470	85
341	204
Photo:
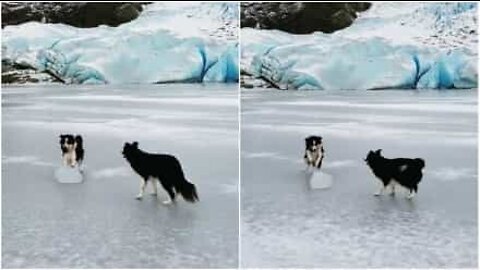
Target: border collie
165	168
314	152
72	149
406	172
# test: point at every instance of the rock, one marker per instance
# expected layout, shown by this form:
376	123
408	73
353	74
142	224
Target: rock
20	74
300	18
79	14
26	76
247	81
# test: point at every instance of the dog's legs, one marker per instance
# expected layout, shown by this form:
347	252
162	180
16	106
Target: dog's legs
154	185
318	163
320	159
74	159
80	166
411	194
380	190
392	188
69	160
171	193
307	161
143	183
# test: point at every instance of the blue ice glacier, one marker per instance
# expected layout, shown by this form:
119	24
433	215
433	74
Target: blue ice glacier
225	68
391	46
167	43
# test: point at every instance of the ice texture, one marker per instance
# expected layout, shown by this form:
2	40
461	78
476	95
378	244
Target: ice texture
98	223
287	224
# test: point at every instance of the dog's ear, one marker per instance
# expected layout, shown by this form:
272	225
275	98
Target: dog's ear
78	139
378	151
135	144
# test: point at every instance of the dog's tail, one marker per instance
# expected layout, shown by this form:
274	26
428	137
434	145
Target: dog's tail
188	191
419	163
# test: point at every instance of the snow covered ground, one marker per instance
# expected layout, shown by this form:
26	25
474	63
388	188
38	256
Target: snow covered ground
286	224
186	42
390	46
99	224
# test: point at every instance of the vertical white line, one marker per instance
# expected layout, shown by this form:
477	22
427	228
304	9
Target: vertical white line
1	163
478	150
239	119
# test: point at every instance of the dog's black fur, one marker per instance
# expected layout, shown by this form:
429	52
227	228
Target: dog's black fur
165	168
314	151
405	171
77	142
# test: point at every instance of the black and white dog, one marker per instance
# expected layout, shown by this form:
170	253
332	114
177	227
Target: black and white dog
406	172
72	149
314	152
165	168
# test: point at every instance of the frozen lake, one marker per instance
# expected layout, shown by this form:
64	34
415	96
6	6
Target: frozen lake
286	224
99	224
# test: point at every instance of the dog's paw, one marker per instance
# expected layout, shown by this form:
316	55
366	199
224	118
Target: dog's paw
167	202
377	194
410	196
139	197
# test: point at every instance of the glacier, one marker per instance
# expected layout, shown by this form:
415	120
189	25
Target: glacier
390	46
179	42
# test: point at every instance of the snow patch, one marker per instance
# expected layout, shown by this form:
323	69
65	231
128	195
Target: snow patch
32	160
453	174
111	172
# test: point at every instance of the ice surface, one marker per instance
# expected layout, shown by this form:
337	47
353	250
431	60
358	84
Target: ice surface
320	180
391	46
287	224
179	42
99	224
68	175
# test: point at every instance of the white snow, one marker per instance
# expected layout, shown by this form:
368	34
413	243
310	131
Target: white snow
166	43
392	45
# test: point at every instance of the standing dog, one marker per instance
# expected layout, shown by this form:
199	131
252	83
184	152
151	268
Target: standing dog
165	168
314	152
72	149
406	172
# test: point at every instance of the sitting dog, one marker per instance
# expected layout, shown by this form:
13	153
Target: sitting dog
403	171
72	149
165	168
314	152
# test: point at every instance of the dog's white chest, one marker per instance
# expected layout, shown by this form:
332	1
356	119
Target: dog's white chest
313	155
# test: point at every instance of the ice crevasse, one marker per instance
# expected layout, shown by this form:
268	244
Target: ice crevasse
150	49
378	52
